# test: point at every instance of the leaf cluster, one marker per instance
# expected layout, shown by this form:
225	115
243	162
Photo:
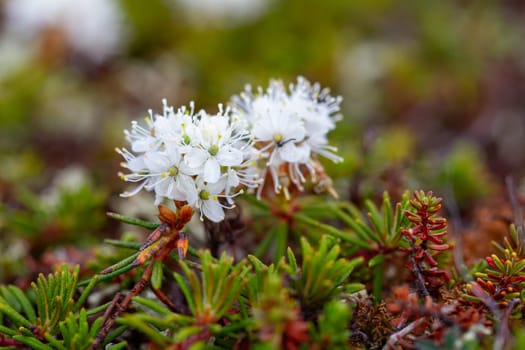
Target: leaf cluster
261	304
502	281
314	296
49	317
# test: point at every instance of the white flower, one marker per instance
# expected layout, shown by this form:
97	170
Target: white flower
216	148
319	111
170	177
209	200
142	139
285	133
289	129
192	157
179	127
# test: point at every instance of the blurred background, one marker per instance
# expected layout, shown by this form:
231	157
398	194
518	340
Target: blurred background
434	98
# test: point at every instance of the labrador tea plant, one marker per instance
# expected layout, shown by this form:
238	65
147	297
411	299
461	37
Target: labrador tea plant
285	266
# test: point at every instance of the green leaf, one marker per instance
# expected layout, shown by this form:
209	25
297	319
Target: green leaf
83	326
376	219
322	273
153	334
157	274
265	244
95	327
425	344
85	293
345	236
352	288
25	304
152	305
114	334
133	221
292	261
118	269
185	332
388	216
281	238
186	291
234	328
361	230
54	342
257	264
9	297
376	260
7	331
118	346
377	283
333	325
13	315
123	244
33	343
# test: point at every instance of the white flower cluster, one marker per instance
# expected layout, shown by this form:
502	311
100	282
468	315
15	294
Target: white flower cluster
187	156
201	158
290	129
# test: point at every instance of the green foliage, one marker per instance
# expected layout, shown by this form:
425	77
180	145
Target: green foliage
76	331
273	310
296	219
322	274
46	319
332	332
227	301
380	229
54	297
210	298
304	299
65	214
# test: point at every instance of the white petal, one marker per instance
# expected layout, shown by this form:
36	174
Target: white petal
262	130
216	187
233	179
295	131
212	170
136	164
229	156
162	187
156	162
187	186
303	152
143	144
158	199
173	154
289	152
196	157
185	169
212	210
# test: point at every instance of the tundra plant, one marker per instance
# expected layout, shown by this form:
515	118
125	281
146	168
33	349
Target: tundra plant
205	160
